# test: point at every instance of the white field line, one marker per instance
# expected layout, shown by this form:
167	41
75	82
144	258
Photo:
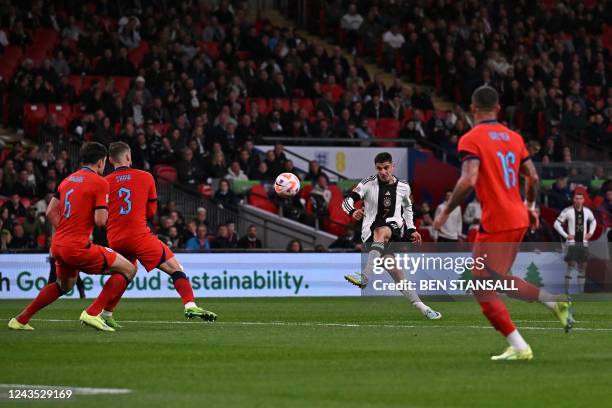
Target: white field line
75	390
323	324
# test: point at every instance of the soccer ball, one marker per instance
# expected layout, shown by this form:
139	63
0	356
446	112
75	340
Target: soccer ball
287	184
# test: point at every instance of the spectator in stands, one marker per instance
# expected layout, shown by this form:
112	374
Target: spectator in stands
559	196
393	40
18	239
221	240
350	23
200	241
14	207
452	230
294	246
201	216
574	122
250	240
346	241
472	213
189	171
232	236
234	172
173	238
541	234
25	187
225	196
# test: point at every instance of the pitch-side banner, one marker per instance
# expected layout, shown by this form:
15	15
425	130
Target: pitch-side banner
351	162
251	275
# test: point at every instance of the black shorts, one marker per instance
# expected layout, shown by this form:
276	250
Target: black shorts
397	232
577	253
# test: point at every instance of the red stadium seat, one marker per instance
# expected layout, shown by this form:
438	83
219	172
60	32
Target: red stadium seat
90	79
549	214
76	81
13	53
262	105
388	128
258	197
335	89
25	202
45	39
165	174
418	70
33	116
211	48
137	54
122	85
161	128
306	103
205	190
284	102
372	125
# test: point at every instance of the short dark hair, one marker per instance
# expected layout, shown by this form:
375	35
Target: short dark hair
485	98
383	157
578	193
91	152
116	149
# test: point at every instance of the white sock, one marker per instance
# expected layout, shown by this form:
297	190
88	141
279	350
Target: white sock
545	297
106	313
375	252
550	305
517	341
190	304
421	306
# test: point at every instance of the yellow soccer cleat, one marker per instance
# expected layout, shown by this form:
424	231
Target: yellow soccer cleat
512	354
563	311
357	279
95	321
14	324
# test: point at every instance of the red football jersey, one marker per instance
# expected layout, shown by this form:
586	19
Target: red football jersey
132	199
501	153
80	194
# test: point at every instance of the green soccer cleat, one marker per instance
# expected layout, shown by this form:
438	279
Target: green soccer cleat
95	321
14	324
564	312
512	354
111	322
193	312
357	279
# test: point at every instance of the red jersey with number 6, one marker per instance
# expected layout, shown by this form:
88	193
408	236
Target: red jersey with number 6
133	199
501	153
80	194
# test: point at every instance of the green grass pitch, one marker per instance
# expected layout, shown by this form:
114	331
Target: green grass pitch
311	352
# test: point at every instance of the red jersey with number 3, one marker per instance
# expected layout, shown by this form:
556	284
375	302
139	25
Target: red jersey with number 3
501	153
132	199
80	194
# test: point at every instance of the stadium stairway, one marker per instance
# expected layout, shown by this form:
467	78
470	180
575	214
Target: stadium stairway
373	69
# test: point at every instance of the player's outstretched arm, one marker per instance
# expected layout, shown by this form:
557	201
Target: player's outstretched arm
464	186
53	212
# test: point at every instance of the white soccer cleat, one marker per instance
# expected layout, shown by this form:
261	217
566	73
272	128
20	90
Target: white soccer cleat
431	314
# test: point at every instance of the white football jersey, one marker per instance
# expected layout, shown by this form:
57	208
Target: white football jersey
384	204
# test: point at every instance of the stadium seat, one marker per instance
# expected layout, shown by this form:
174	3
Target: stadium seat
388	128
33	116
306	103
372	125
418	70
137	54
46	39
284	101
76	81
13	53
165	174
258	197
262	104
205	190
549	214
88	81
161	128
211	48
335	89
26	202
122	84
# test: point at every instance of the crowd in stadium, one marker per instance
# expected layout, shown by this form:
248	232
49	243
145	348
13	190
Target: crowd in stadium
193	87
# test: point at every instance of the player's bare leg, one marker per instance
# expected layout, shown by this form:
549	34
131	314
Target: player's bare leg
45	297
182	285
122	272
